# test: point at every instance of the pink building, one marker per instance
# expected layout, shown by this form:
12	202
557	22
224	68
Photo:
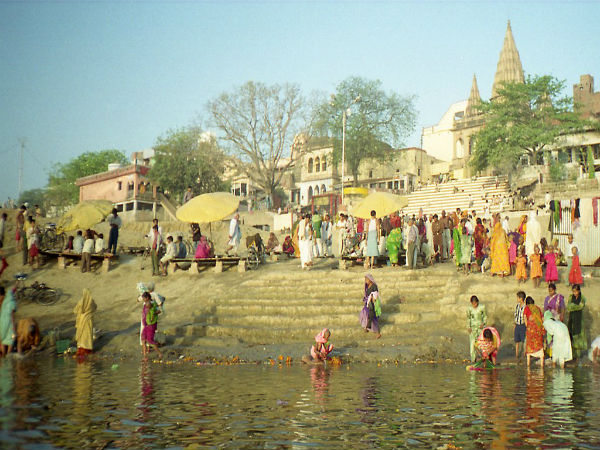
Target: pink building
127	187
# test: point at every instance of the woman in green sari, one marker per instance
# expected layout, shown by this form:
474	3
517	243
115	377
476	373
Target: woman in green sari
456	237
575	323
393	244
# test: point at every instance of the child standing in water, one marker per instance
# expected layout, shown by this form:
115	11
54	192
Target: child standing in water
551	270
536	266
150	314
575	276
322	347
521	272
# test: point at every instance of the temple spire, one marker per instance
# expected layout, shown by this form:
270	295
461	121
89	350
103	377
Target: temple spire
509	64
474	99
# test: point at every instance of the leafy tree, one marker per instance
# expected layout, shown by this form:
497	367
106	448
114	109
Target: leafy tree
62	190
525	120
375	120
257	124
33	197
188	157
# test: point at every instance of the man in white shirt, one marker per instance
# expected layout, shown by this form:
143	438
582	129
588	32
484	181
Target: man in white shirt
411	241
114	221
170	253
99	244
78	243
86	252
326	236
505	225
235	235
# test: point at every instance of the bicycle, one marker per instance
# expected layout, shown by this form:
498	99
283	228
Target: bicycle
52	239
38	292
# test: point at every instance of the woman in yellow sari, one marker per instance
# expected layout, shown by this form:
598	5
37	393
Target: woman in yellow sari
84	334
499	249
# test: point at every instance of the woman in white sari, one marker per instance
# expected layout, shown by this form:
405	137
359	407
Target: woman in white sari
305	241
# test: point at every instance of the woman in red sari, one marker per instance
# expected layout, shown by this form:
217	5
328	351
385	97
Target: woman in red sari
534	336
480	237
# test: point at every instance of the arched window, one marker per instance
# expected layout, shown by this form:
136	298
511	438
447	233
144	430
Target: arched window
460	151
310	192
317	164
323	190
471	145
310	165
323	165
316	190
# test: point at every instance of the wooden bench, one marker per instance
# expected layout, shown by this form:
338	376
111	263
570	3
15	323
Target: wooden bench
218	262
346	261
134	250
67	258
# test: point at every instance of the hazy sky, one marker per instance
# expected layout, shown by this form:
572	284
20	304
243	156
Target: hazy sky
86	76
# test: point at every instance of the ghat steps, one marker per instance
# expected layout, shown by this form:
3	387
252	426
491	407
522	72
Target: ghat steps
435	198
421	307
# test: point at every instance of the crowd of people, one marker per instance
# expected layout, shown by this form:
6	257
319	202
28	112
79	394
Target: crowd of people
557	332
473	243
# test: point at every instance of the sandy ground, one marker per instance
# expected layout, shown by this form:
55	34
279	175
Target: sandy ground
272	313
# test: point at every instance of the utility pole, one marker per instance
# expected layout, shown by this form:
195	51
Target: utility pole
22	140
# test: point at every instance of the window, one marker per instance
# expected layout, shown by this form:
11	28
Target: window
316	190
390	185
323	189
460	152
317	164
310	192
310	165
370	174
323	165
396	184
119	185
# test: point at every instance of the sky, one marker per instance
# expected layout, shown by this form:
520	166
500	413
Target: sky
93	75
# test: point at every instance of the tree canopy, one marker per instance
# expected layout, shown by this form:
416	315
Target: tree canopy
525	120
257	124
375	121
62	190
188	157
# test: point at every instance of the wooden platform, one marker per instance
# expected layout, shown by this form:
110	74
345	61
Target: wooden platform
64	259
218	263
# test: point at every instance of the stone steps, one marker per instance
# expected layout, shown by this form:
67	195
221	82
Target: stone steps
259	335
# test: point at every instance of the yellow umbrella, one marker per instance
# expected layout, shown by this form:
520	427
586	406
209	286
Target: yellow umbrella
85	215
383	203
208	208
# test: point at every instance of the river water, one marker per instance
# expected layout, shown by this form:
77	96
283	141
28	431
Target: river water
57	403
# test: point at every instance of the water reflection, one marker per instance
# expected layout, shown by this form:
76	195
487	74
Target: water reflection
63	404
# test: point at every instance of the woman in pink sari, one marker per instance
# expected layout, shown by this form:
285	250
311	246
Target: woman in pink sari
203	249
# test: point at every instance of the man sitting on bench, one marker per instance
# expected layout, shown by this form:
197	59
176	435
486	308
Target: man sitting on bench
170	254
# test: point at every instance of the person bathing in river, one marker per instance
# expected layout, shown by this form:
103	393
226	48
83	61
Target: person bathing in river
150	314
369	315
84	334
476	320
28	335
487	344
321	348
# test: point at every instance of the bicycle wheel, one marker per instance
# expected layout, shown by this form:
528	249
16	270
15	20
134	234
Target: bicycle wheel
26	293
61	241
48	239
253	259
189	248
47	296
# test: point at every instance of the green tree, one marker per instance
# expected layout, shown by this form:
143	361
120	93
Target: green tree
188	157
62	190
257	124
33	197
375	121
525	120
